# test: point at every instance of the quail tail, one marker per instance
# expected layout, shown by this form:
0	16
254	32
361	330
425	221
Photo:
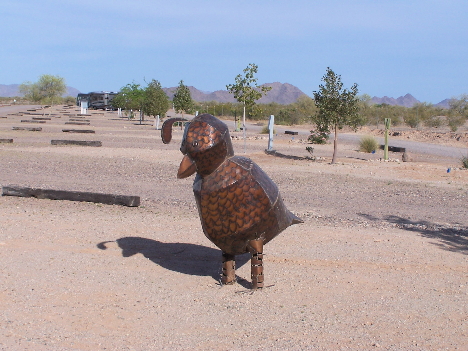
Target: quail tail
295	219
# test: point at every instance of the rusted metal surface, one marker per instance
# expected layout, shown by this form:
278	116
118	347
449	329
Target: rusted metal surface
229	269
166	130
240	207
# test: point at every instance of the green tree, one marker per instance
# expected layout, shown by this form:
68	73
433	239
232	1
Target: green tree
119	101
182	99
30	91
337	107
246	90
130	97
365	108
458	112
69	100
47	90
155	102
306	108
412	118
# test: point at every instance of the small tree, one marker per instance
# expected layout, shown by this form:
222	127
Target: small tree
182	99
458	112
246	90
156	102
337	107
460	105
30	91
46	90
455	121
412	118
130	98
306	108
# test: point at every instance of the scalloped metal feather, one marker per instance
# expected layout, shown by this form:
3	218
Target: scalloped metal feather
166	130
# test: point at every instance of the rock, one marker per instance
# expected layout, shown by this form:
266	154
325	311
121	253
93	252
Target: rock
407	157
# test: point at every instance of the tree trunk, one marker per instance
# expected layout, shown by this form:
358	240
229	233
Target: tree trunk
243	122
335	145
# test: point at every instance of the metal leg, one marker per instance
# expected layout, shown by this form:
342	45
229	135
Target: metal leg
229	269
256	250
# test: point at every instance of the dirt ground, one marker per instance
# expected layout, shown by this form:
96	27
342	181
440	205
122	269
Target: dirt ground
380	262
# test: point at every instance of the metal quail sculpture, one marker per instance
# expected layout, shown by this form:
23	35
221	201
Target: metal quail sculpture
239	205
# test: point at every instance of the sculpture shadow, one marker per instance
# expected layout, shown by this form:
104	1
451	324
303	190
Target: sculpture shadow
454	238
184	258
289	157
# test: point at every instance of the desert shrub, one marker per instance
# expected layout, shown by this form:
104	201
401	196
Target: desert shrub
412	120
397	120
368	144
455	121
266	130
317	137
433	122
464	161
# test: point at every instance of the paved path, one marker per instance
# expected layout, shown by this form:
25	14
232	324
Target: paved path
411	146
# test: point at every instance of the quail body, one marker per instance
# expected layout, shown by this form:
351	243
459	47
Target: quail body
240	207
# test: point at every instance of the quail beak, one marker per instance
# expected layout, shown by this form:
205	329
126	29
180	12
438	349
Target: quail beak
187	168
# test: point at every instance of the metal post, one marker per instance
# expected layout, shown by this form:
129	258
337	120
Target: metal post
84	107
271	125
157	122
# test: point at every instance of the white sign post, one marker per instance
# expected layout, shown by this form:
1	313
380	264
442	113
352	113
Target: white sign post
271	126
84	107
156	122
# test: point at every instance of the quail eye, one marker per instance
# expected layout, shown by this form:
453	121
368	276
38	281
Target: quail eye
195	143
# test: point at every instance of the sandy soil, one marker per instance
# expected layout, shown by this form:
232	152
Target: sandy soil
381	261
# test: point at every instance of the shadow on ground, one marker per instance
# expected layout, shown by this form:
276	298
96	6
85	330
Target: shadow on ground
451	238
178	257
289	157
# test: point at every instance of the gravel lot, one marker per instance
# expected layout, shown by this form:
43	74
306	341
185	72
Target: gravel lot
381	261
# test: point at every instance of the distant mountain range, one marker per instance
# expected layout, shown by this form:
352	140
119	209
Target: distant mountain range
281	93
407	101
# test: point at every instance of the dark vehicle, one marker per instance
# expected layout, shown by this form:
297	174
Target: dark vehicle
97	100
82	97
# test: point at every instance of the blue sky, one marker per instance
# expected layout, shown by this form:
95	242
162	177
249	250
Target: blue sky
387	47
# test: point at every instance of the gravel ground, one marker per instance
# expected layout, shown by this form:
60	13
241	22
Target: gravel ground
380	262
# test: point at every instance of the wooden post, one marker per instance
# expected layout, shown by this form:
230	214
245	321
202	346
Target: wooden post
387	127
79	123
108	199
245	134
31	129
78	131
77	142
